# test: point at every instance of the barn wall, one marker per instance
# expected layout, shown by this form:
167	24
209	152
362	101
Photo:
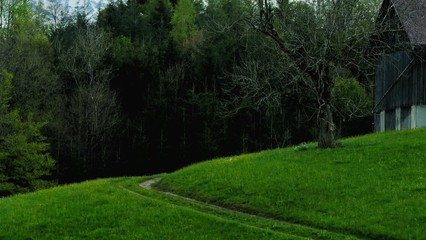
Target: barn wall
408	73
405	118
376	122
401	118
390	121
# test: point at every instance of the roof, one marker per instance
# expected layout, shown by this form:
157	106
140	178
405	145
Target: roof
412	14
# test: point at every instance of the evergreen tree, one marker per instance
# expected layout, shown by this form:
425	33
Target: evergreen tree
23	151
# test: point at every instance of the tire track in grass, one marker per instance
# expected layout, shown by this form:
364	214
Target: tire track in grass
148	185
249	219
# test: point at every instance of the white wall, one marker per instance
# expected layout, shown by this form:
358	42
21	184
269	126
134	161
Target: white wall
416	118
421	116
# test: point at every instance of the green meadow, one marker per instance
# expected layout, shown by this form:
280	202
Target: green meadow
121	209
371	187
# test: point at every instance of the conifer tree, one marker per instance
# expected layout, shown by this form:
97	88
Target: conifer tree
24	159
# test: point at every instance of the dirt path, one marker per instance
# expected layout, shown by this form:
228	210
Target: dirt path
148	184
245	221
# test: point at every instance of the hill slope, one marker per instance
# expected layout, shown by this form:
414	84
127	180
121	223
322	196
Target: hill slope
121	209
373	186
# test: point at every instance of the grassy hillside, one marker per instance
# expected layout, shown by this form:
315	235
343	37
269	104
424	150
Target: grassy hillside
373	186
121	209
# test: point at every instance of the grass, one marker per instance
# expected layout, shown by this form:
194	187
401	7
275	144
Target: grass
120	209
373	186
101	210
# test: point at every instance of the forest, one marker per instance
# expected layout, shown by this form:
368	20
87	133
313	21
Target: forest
150	86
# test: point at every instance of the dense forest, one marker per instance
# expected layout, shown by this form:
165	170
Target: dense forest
153	85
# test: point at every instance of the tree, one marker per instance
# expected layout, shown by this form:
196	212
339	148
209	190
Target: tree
26	53
183	22
322	39
123	19
11	12
24	157
55	12
258	85
90	123
159	17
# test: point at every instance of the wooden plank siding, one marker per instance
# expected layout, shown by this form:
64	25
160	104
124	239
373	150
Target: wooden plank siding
404	73
390	121
400	84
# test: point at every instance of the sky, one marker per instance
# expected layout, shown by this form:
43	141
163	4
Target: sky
70	5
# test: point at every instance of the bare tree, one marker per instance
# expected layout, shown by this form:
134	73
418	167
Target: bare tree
56	12
256	84
320	38
93	114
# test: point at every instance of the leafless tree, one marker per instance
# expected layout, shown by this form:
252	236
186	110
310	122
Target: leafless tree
320	38
93	113
57	12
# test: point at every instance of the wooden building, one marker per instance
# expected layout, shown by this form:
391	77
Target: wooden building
400	92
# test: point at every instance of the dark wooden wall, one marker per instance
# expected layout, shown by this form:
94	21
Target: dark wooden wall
410	86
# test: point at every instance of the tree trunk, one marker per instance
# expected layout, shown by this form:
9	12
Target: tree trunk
326	128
